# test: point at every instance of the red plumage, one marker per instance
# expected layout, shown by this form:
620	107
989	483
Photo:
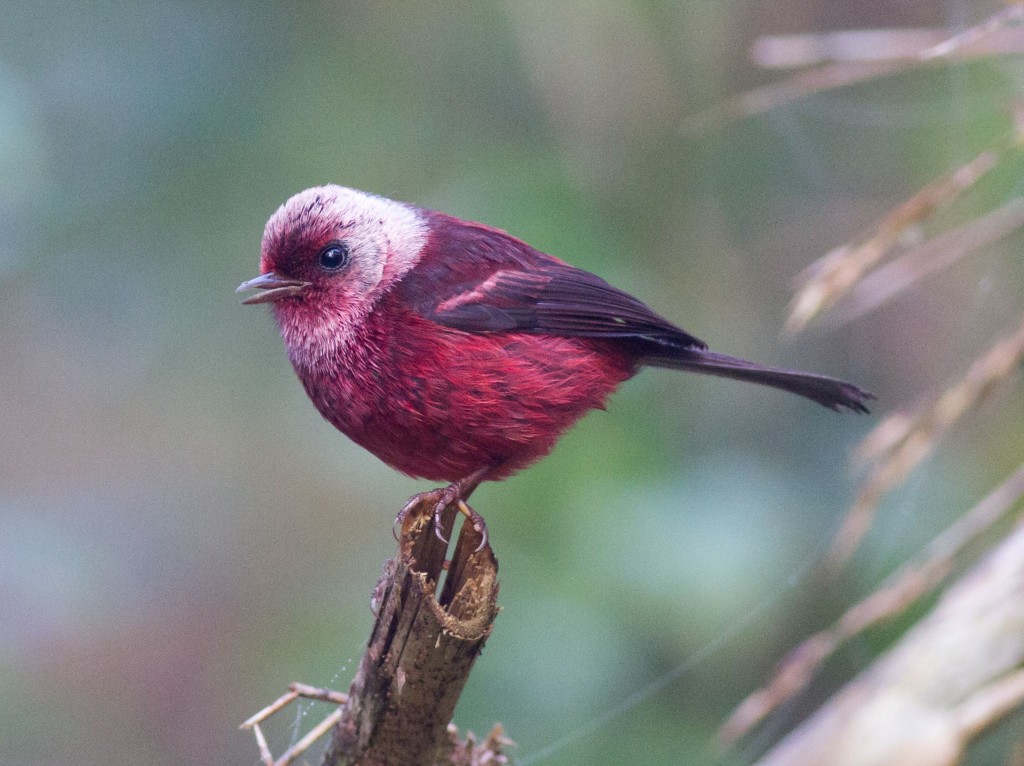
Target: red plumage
439	403
452	350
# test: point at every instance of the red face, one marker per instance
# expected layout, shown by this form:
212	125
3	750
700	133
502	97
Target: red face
307	247
302	264
328	254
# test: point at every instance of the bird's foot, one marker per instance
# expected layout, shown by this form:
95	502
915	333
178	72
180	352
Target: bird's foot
442	499
456	492
453	494
474	518
433	497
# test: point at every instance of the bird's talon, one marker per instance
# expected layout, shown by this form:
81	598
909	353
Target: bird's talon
438	523
442	499
479	525
483	541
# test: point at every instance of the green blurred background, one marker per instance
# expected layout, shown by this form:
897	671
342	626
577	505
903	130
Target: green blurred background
181	535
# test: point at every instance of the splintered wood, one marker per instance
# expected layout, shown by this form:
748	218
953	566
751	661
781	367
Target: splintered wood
418	658
421	649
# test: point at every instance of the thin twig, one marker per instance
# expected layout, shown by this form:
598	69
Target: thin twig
285	699
312	736
316	693
295	691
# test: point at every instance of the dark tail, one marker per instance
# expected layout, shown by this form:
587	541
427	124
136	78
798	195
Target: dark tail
828	392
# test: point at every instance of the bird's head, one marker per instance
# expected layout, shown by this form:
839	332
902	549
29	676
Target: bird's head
328	255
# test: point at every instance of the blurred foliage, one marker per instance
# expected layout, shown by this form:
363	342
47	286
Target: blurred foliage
183	535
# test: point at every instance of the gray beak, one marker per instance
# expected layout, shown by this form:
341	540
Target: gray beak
272	288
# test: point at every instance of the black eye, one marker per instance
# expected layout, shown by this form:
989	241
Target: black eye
333	257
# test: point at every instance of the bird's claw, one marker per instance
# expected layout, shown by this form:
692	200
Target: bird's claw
442	499
415	500
438	523
477	521
471	516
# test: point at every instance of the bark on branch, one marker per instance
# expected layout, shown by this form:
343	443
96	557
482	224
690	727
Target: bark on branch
420	653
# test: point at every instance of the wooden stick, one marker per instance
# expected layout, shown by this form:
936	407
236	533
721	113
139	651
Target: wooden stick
421	649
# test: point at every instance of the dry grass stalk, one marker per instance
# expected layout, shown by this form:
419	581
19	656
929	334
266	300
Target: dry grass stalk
809	49
997	22
899	591
990	704
963	693
958	671
887	282
801	85
847	58
900	442
835	274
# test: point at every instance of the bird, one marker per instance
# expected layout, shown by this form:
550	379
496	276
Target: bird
454	351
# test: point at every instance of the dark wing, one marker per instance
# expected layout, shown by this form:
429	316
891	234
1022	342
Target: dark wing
482	280
557	300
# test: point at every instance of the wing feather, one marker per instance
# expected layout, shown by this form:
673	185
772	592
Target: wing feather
490	282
